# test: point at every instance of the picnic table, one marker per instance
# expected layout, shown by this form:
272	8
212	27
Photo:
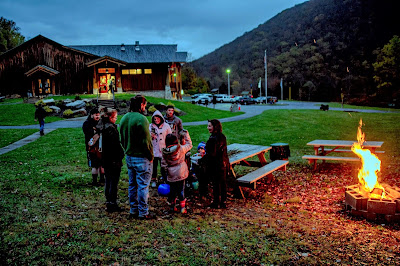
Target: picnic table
239	155
320	152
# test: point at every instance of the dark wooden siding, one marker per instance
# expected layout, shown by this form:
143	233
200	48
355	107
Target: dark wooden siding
73	76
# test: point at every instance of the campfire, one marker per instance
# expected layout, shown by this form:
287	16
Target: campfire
368	198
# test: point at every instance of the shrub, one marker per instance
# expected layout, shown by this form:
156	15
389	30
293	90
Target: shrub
48	109
152	109
40	102
60	103
68	112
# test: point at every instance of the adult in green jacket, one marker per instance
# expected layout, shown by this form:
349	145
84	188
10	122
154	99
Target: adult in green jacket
136	140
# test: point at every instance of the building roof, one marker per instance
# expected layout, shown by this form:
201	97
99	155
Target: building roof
42	68
138	53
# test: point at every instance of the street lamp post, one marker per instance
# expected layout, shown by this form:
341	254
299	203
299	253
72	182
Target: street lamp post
229	84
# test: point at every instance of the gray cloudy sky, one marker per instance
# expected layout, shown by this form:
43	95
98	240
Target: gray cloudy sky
196	26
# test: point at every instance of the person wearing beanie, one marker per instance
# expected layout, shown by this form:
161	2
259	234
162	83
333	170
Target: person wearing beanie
173	159
158	131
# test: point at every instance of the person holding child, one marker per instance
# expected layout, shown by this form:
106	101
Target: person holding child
158	131
217	162
177	170
113	154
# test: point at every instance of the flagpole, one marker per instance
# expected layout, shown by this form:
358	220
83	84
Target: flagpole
266	84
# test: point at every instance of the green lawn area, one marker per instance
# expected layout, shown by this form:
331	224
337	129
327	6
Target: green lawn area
9	136
51	215
20	115
349	106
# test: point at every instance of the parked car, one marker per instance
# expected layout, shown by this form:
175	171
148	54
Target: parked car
199	94
260	99
246	100
222	98
235	99
272	99
202	99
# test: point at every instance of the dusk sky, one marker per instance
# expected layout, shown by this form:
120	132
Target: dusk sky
196	26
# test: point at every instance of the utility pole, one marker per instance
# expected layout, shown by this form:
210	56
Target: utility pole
266	84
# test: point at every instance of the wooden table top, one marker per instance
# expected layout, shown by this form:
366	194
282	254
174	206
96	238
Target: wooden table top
344	143
244	151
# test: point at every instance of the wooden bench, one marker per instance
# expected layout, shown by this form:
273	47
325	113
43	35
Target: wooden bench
312	159
344	150
250	179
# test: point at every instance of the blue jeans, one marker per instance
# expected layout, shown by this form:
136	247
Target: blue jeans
41	123
139	172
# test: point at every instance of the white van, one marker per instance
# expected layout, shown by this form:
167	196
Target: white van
222	98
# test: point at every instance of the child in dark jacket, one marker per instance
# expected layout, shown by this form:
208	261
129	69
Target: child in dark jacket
177	170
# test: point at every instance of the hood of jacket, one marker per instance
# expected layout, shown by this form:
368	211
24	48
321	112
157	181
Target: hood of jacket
158	113
171	154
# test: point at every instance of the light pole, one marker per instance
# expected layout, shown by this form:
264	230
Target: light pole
229	84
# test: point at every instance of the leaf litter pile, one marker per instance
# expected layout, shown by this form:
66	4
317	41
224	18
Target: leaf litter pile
309	207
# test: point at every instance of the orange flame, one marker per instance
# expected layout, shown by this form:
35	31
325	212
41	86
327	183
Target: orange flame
371	165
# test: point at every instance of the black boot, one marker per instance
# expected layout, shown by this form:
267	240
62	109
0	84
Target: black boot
94	180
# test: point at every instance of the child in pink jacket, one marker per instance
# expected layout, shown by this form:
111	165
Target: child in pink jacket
177	170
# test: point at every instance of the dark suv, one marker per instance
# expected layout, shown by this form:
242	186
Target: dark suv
246	100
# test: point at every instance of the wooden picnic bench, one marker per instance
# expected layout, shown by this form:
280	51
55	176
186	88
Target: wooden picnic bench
240	153
341	146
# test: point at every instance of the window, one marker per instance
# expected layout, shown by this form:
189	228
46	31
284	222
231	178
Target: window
147	71
132	71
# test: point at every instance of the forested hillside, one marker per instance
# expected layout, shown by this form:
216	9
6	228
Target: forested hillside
320	48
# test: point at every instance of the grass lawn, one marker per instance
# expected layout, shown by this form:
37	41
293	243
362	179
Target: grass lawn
20	114
51	215
349	106
9	136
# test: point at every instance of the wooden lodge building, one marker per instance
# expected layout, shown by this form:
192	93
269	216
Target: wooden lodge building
41	66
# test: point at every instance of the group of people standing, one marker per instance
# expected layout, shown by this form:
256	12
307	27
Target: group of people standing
146	145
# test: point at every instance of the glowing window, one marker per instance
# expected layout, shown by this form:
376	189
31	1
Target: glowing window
138	71
125	71
147	71
132	71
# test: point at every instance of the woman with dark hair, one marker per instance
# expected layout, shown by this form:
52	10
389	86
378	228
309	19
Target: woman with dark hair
217	163
112	158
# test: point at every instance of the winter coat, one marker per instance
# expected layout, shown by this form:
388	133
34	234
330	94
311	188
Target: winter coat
174	160
216	158
112	153
175	123
89	129
160	133
40	113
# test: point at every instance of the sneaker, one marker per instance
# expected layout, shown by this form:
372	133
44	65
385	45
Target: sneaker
183	210
149	216
133	216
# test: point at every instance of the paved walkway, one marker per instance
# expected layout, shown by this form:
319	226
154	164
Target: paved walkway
249	111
